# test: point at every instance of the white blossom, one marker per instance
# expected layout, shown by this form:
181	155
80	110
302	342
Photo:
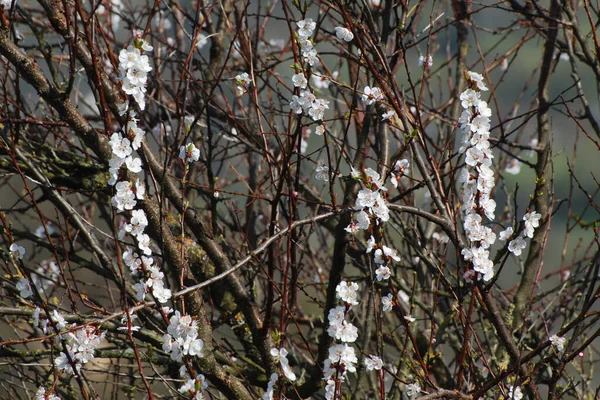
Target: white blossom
322	172
515	246
17	251
513	167
506	234
280	356
426	60
347	292
24	288
189	153
371	95
413	389
532	221
344	33
373	363
299	80
383	273
514	393
558	342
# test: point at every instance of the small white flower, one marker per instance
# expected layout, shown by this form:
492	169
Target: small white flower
441	237
347	292
344	33
322	172
17	251
319	130
506	234
280	355
370	244
558	342
373	363
515	246
189	153
362	220
134	164
423	60
387	115
387	302
514	393
24	288
371	95
513	167
413	389
299	80
532	221
243	79
474	156
306	27
383	273
202	40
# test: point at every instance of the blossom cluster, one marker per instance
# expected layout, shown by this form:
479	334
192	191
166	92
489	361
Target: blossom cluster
80	344
307	102
370	201
43	278
517	245
181	338
372	95
134	67
127	192
342	357
477	178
